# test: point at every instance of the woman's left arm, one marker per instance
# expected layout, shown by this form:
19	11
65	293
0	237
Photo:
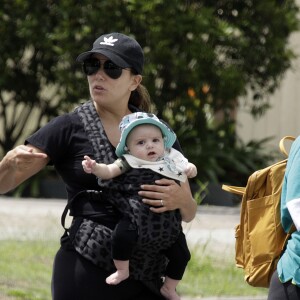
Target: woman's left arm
172	196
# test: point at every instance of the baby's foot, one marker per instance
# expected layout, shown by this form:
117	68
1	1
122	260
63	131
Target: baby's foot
117	277
169	294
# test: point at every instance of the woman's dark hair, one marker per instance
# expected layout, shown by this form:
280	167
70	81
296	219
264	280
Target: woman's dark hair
141	98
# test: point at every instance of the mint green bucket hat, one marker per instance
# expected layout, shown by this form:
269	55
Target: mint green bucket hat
132	120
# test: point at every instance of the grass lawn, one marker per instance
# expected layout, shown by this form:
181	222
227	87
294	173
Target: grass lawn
25	269
26	266
208	276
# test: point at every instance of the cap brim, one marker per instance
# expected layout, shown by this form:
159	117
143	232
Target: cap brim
109	54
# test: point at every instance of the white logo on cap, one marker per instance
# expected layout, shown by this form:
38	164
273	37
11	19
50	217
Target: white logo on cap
109	41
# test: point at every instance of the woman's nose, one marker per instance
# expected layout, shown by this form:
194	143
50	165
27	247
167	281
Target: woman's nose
100	73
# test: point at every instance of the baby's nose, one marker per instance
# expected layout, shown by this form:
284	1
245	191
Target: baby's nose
149	145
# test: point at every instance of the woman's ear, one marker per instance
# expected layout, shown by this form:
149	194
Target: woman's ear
137	79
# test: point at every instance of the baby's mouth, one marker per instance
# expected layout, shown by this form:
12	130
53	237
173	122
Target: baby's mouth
151	153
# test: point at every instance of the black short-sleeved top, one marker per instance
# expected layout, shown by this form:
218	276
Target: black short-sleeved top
65	142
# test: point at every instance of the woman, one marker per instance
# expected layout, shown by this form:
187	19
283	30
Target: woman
113	68
285	282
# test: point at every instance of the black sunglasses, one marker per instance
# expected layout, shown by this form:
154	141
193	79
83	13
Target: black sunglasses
92	65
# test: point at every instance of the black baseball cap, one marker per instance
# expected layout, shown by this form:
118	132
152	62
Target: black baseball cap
121	49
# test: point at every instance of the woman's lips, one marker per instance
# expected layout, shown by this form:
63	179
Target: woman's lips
99	88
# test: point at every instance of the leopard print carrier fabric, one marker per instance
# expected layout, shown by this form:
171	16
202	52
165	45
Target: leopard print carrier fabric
156	231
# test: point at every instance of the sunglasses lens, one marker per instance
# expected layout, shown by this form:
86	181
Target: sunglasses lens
91	66
112	70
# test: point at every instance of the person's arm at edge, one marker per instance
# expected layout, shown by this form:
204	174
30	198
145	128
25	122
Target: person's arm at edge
19	164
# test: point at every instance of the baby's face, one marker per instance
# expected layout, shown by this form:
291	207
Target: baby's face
146	142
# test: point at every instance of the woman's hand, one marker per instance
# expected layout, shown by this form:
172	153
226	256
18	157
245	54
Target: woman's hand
22	158
19	164
167	195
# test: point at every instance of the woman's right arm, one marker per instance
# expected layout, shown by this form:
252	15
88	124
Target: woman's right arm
20	164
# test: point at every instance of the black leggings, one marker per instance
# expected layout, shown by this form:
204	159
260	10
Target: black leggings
76	278
282	291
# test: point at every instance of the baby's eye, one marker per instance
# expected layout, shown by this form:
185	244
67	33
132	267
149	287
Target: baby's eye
156	140
141	143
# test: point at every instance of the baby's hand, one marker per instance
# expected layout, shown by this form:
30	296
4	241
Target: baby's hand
191	170
88	164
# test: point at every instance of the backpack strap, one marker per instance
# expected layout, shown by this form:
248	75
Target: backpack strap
282	142
239	190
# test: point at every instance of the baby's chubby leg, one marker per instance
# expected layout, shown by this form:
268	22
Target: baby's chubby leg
121	274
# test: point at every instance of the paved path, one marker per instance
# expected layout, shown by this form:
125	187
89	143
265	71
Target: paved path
213	226
212	229
26	218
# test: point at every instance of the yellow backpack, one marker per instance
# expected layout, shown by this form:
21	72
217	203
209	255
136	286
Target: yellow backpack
260	238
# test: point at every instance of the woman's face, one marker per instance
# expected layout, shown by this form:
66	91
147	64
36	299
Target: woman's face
106	91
